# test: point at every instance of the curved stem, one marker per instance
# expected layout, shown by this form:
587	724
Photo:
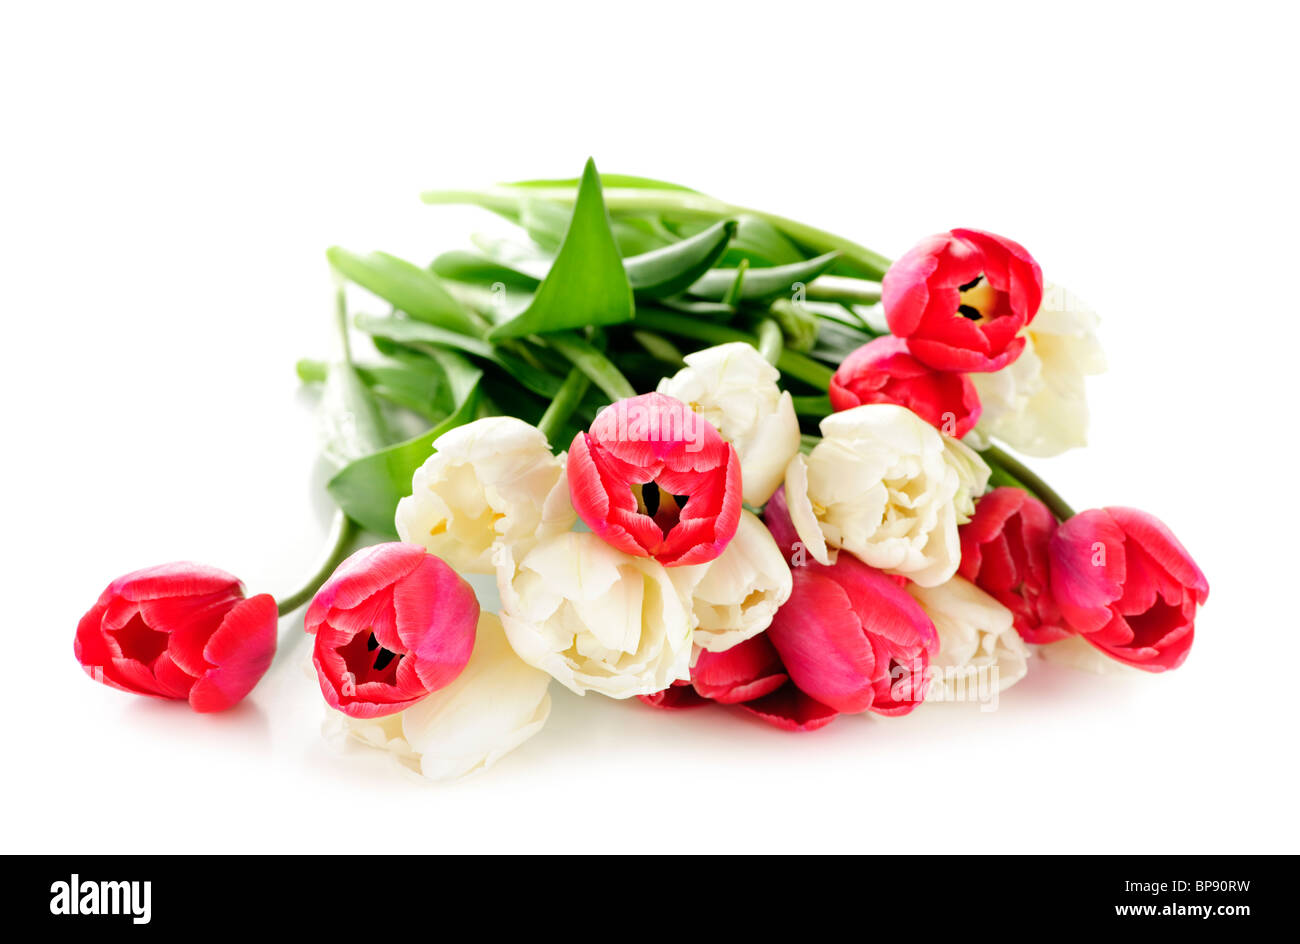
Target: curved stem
566	401
1029	480
340	540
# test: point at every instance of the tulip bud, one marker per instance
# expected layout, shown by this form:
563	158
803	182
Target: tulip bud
180	631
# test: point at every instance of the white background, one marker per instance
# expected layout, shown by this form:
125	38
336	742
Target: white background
170	179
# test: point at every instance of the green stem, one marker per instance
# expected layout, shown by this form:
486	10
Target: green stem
340	541
566	401
594	364
841	288
771	343
1029	480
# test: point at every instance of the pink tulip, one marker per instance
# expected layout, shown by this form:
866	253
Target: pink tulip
392	624
850	636
749	675
654	479
1126	585
180	631
1004	552
961	298
884	371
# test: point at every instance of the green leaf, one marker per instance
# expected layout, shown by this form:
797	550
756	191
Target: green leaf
673	268
354	425
368	489
761	243
416	383
607	181
416	333
406	286
405	331
763	283
462	266
592	362
587	284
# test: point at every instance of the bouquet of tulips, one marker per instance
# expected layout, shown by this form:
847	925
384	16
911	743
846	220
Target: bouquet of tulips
703	454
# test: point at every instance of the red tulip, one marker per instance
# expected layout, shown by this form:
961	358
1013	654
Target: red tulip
750	675
961	298
1004	552
180	631
1124	582
883	371
850	636
653	479
392	624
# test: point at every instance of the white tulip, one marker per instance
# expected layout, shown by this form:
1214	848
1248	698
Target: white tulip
492	707
488	482
979	648
593	617
1037	403
736	390
734	596
888	487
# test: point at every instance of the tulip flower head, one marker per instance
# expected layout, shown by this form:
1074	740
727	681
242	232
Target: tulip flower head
1037	405
491	708
1126	584
850	636
1004	552
489	481
734	597
655	479
961	299
888	487
392	624
884	371
179	631
751	676
980	653
593	617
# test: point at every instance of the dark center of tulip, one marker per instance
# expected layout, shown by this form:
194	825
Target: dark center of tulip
141	642
978	299
368	661
664	507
